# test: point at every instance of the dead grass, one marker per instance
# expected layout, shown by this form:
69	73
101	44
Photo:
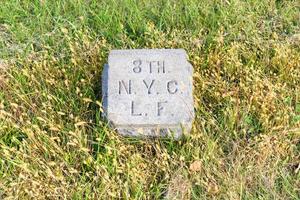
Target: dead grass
179	187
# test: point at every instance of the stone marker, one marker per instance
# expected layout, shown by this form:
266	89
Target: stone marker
148	92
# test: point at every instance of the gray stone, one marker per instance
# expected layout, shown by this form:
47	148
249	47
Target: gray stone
148	92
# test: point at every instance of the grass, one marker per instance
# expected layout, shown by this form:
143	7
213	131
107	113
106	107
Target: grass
245	142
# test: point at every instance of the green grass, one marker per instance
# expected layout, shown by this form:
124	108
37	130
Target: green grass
245	142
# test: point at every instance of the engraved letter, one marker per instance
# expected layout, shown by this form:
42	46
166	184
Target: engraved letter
132	110
150	66
127	88
137	64
161	66
169	87
148	86
160	107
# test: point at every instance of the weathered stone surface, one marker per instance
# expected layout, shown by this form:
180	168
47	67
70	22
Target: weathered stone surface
148	92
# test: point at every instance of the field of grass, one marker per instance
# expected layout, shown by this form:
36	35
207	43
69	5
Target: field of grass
245	142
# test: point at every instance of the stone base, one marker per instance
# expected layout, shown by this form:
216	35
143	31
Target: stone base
171	132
